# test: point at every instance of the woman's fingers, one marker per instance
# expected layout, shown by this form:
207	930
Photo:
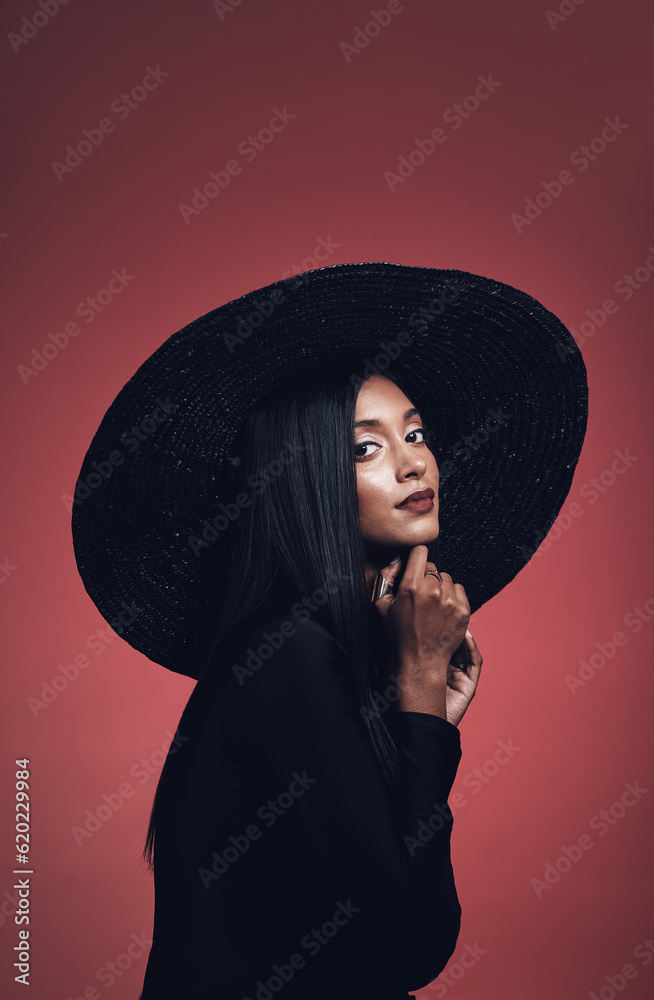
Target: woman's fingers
475	659
389	573
414	570
467	655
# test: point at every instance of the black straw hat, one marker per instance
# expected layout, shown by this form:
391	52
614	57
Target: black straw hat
497	377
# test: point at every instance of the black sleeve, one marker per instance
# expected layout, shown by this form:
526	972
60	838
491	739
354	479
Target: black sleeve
425	925
299	711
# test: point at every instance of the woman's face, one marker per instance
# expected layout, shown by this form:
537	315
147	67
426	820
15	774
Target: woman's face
392	462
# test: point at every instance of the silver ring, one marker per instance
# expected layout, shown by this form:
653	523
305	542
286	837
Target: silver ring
434	572
382	586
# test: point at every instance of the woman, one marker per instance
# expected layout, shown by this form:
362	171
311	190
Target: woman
338	837
300	828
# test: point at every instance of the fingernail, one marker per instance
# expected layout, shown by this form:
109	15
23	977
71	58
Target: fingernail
468	634
393	561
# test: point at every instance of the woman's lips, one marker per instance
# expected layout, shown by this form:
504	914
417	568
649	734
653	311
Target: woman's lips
425	504
423	500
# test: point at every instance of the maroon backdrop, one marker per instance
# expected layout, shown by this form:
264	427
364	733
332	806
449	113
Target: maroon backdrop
163	158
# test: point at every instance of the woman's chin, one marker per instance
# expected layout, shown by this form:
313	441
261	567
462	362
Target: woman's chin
422	534
415	538
396	541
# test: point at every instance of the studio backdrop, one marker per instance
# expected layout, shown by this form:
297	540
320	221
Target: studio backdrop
162	159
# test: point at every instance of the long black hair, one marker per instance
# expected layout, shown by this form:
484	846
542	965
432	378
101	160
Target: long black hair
301	531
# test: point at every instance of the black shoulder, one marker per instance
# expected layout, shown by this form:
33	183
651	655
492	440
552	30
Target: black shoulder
290	653
295	630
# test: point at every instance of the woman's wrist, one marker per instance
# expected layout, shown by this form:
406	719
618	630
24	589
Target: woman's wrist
423	687
425	669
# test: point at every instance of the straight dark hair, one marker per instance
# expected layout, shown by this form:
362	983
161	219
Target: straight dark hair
301	532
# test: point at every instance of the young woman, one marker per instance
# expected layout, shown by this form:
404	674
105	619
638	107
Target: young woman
277	831
300	833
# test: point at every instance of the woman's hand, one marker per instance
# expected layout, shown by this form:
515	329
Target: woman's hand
462	678
436	660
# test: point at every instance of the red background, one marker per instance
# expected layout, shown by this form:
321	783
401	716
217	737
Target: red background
322	176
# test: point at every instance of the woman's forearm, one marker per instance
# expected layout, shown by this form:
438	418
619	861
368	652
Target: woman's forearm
423	686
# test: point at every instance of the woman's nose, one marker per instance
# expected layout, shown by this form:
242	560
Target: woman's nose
410	462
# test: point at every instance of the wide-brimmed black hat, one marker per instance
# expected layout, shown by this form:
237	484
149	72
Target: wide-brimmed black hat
496	374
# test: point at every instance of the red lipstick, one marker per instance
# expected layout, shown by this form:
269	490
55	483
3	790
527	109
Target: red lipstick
419	500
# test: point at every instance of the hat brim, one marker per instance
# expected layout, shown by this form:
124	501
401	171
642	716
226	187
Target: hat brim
496	375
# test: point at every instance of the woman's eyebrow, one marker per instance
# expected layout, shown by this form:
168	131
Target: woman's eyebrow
377	423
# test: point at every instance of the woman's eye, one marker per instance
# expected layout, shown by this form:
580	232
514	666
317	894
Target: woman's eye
418	430
363	444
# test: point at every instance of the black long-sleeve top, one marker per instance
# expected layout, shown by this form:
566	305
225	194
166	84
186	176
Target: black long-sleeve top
282	862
